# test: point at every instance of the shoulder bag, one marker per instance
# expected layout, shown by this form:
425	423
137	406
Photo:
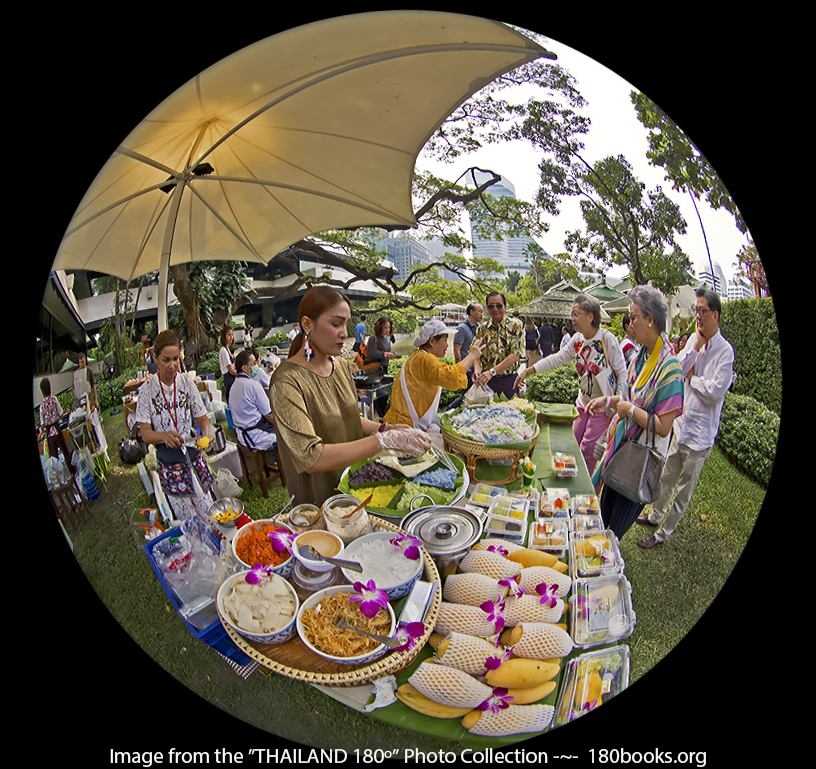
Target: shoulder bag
634	470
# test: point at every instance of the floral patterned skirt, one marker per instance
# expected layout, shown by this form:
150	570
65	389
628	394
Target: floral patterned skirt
175	475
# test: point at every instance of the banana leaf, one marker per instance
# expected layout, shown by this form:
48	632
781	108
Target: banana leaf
344	487
562	413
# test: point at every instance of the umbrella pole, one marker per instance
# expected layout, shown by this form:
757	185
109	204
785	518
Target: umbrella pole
167	245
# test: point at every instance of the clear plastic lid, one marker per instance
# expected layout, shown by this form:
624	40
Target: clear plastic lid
586	504
595	554
601	611
550	534
564	465
590	680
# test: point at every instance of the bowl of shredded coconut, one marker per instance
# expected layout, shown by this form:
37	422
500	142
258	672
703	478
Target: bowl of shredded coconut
388	564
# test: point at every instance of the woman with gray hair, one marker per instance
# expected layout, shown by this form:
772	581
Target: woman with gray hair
601	370
653	385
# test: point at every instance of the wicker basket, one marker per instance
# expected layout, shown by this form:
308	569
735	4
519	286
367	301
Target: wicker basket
473	450
294	660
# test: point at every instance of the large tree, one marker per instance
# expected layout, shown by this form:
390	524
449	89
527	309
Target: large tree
628	226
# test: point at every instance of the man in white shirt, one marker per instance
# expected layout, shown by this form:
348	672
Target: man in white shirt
708	365
293	333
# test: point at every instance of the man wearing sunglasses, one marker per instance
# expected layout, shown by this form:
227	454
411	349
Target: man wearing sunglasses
502	339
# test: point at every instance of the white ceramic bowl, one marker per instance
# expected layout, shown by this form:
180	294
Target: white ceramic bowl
278	636
363	659
282	570
394	591
317	564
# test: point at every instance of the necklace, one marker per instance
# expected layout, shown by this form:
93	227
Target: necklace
174	414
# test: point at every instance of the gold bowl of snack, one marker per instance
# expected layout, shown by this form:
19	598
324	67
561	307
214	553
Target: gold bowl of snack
317	630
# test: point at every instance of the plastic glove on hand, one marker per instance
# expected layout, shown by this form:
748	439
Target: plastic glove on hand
411	441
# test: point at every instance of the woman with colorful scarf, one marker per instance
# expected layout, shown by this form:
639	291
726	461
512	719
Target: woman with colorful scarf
654	385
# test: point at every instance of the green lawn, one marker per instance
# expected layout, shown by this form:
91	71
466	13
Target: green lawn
678	580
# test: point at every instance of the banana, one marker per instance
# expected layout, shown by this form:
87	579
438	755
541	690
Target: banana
415	700
532	693
521	673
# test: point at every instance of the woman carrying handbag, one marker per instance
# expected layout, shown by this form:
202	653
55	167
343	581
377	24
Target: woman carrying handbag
651	400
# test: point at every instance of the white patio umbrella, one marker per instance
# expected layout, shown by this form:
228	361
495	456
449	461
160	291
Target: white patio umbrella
312	129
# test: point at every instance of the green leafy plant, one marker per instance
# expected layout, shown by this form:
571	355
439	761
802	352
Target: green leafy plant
557	386
749	433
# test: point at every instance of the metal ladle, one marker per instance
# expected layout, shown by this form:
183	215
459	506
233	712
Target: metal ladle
307	551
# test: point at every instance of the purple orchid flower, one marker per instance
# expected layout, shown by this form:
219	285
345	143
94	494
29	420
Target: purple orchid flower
497	701
498	549
582	606
494	611
282	540
494	663
257	573
408	634
407	544
515	589
371	598
548	594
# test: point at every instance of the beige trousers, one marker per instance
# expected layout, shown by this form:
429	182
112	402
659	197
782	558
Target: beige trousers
681	471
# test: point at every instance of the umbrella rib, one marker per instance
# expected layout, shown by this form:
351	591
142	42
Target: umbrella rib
306	191
355	64
252	250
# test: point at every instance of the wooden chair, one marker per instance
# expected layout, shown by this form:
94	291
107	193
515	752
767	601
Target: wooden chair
69	504
261	466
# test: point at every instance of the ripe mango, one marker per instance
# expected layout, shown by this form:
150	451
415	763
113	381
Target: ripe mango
530	557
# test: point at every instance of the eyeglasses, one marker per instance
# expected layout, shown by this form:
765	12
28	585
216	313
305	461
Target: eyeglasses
700	312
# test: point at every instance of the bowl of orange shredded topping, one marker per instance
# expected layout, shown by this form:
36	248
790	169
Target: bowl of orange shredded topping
252	545
316	627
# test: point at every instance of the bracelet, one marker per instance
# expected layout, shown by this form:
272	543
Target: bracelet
381	428
606	402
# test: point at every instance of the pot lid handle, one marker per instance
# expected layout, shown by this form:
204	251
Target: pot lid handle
445	530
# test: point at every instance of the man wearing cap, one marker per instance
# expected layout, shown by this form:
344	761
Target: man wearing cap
502	339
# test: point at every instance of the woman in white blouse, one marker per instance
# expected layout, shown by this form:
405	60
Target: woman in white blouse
597	355
226	360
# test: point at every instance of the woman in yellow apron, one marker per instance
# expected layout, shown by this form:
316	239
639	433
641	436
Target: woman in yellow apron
415	398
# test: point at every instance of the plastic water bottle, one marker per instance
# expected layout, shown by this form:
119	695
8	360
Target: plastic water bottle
88	482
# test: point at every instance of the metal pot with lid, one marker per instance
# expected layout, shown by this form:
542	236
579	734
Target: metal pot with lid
447	533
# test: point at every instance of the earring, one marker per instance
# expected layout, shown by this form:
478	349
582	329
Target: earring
307	350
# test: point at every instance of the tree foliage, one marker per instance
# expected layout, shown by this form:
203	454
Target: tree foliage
685	166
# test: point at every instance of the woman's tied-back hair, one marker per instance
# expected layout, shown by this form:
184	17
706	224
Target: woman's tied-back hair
315	302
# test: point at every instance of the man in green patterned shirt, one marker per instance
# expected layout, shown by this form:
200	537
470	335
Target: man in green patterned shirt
503	340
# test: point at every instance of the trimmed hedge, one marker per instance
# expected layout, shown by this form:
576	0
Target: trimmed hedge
750	326
749	433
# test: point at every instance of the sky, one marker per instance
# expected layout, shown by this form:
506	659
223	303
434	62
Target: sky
615	130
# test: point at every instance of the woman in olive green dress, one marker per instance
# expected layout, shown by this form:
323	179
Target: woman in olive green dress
314	402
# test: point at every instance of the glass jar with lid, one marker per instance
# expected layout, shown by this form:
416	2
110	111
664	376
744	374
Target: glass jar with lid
340	518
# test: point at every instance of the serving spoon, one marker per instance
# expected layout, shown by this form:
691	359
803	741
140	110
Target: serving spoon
307	551
391	643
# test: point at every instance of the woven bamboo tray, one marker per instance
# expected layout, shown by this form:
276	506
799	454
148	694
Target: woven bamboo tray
294	660
473	450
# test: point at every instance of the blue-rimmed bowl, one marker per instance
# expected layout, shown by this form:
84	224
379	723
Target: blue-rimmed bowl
362	659
284	569
394	589
277	636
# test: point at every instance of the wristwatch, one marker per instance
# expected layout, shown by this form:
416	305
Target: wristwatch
631	412
492	372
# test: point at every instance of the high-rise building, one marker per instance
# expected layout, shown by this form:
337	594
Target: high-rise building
509	252
717	280
404	252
